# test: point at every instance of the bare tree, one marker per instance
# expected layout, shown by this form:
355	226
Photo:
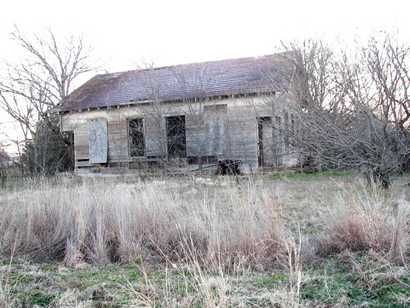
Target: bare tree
31	90
354	110
388	63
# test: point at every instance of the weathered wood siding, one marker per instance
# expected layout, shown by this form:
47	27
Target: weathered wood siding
242	139
195	135
81	142
117	139
229	131
215	119
79	127
154	135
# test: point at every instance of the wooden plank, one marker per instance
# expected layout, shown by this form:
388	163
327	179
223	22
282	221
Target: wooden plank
242	128
81	142
215	117
155	141
195	135
98	141
118	140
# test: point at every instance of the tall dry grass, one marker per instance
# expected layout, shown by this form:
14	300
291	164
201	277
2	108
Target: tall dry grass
105	222
200	286
226	224
216	227
366	218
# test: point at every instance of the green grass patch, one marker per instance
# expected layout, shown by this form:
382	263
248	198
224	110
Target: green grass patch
16	278
353	280
337	281
299	175
270	282
113	275
37	297
49	267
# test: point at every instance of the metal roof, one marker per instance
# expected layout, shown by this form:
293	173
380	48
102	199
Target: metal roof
182	82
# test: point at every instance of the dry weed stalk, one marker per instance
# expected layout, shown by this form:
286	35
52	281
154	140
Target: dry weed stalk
367	220
6	298
108	222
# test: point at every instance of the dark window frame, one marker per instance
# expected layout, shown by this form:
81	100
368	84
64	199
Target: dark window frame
141	151
176	140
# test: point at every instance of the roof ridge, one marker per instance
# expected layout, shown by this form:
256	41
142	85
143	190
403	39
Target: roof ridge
119	73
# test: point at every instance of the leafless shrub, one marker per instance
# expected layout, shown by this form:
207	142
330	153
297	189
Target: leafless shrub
365	221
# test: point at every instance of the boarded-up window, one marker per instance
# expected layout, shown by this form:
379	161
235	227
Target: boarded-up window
136	137
97	140
176	137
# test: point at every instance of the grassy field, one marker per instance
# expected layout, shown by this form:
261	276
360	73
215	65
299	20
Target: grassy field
275	240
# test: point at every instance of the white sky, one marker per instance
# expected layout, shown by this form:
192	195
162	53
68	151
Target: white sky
125	34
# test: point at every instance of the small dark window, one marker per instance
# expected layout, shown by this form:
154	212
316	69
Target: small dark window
136	137
292	124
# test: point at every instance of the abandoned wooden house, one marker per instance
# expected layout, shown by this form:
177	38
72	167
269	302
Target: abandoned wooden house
190	115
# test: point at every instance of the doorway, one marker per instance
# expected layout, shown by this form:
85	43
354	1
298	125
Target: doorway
176	136
265	144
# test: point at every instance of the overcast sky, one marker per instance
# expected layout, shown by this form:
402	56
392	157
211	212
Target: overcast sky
125	34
